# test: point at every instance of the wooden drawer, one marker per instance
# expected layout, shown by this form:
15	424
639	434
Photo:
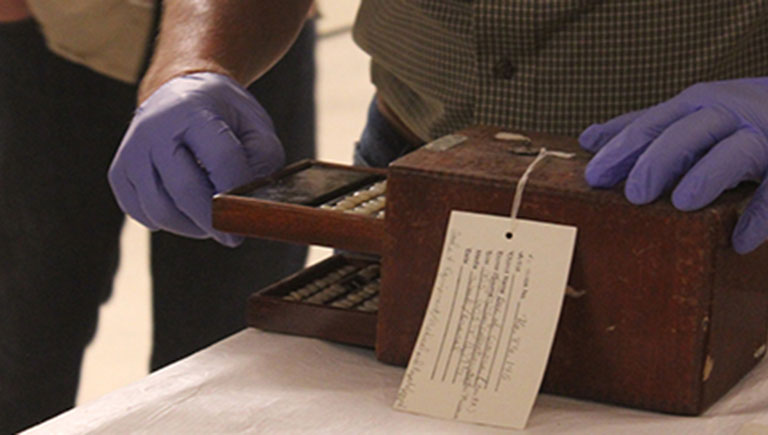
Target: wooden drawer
295	205
297	305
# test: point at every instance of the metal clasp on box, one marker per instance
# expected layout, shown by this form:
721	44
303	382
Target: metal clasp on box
445	142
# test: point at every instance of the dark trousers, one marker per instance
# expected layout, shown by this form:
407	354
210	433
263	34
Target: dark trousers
60	125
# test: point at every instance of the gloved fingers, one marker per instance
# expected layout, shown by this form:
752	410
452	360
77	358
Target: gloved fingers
614	161
159	206
218	150
597	135
228	240
126	196
264	151
752	228
675	151
739	157
191	190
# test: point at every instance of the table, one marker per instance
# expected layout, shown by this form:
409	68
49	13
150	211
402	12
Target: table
259	382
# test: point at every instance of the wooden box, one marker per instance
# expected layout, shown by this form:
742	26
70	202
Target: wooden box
663	315
666	316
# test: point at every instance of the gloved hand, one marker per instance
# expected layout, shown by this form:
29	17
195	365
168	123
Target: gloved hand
194	136
707	139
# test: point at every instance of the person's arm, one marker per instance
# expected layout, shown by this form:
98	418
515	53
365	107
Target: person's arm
13	10
241	39
197	131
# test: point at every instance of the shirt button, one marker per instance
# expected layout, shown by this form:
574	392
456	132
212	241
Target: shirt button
504	69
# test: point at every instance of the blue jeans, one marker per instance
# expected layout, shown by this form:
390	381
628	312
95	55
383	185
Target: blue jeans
60	124
380	143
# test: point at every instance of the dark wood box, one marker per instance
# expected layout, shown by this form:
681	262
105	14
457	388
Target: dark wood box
664	315
669	317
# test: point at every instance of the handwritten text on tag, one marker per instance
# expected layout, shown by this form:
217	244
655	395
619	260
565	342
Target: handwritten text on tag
483	346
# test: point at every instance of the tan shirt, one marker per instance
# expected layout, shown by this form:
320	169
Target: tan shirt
108	36
551	65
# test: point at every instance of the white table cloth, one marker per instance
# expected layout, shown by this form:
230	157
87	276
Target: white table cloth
258	382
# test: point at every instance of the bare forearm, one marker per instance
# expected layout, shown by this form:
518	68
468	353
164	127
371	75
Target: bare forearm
13	10
240	38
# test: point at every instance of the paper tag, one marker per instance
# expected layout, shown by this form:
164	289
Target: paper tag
486	337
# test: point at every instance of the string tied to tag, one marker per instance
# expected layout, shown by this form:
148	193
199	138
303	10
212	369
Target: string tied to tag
543	153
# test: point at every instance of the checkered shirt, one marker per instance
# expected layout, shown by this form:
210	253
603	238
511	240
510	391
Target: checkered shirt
551	65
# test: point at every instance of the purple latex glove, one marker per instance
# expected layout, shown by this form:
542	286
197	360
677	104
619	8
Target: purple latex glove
195	136
707	139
